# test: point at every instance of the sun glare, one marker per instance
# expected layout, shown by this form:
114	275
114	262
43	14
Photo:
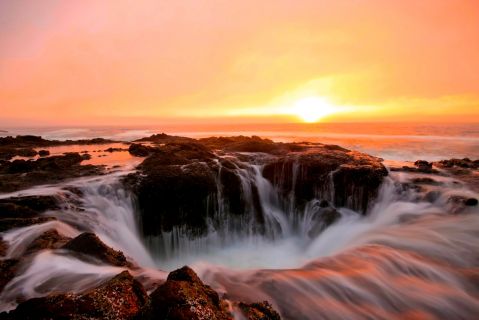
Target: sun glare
312	109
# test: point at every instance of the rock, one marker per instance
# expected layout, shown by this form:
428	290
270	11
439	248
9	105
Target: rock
26	152
311	174
8	269
249	144
121	297
427	181
19	212
87	246
259	311
188	179
3	247
423	165
50	239
43	153
115	150
37	204
163	138
465	163
184	297
140	150
21	174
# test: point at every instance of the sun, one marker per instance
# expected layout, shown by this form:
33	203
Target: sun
312	109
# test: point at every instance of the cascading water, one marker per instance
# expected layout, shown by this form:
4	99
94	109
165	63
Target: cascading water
407	258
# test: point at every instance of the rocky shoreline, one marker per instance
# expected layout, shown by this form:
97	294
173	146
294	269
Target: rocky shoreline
202	171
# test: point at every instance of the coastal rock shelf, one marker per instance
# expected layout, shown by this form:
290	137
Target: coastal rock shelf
79	241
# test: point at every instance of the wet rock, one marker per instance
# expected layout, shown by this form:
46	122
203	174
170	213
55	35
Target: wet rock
115	150
427	181
43	153
163	138
3	247
87	246
323	218
423	165
465	163
37	141
121	297
27	206
355	177
21	174
259	311
249	144
26	152
50	239
140	150
8	269
184	297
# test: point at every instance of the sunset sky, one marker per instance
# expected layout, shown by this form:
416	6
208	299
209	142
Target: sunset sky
137	62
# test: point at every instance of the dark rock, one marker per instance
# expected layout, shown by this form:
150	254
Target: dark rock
184	297
115	150
50	239
26	152
121	297
21	174
25	206
3	248
163	138
140	150
249	144
8	269
37	141
355	177
461	163
43	153
87	245
259	311
427	181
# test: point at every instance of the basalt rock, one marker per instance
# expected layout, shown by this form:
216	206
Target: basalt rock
163	138
50	239
184	297
88	246
187	185
346	178
8	269
140	150
43	153
119	298
259	311
249	144
19	212
21	174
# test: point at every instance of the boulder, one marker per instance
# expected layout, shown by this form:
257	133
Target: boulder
185	297
43	153
258	311
140	150
87	246
121	297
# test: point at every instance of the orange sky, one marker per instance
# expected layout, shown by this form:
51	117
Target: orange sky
135	62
